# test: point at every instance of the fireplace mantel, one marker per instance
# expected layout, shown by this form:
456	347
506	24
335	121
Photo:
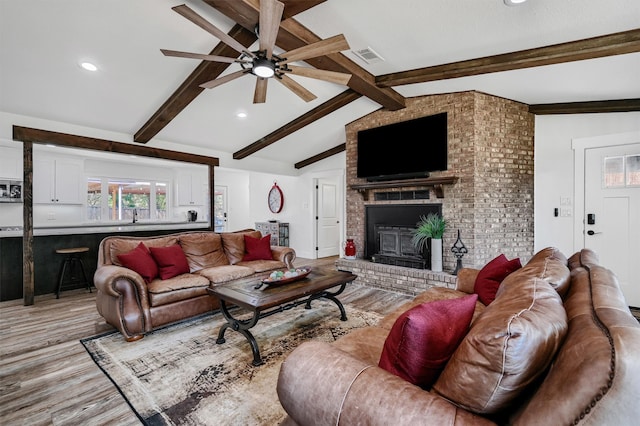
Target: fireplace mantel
431	182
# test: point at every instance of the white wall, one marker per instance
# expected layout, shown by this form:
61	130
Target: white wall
247	200
554	170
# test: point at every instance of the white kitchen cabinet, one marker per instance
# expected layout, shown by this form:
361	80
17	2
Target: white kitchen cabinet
10	163
57	181
191	189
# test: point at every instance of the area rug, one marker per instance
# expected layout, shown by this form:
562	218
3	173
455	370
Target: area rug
178	375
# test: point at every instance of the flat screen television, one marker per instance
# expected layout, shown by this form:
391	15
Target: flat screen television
404	150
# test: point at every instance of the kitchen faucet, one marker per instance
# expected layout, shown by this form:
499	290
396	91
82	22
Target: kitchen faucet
135	215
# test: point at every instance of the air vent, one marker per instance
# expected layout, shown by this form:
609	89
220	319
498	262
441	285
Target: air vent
368	55
401	195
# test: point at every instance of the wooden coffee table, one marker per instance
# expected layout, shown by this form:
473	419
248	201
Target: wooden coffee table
268	300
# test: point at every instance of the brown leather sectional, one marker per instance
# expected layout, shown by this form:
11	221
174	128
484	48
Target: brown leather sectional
134	307
557	346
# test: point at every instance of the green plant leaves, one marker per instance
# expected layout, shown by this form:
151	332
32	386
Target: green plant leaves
431	226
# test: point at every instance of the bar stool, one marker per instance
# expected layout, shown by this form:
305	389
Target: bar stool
72	258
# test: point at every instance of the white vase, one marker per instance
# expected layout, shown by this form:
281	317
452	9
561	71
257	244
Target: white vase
436	255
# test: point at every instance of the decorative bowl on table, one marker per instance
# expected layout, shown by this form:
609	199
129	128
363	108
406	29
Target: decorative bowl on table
287	276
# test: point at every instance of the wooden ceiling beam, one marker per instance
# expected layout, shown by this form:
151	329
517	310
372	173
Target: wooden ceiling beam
190	88
325	154
596	47
247	11
315	114
619	105
28	134
293	35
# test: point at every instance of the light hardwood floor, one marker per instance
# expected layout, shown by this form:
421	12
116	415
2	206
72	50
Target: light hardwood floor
47	377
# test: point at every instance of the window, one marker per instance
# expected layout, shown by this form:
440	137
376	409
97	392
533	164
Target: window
94	199
633	170
220	208
126	200
622	171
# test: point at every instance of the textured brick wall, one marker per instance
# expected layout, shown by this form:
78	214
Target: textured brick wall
490	151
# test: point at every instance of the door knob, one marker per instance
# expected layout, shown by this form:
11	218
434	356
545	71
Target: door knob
590	232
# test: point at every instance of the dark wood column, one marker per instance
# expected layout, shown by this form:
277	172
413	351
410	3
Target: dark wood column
27	217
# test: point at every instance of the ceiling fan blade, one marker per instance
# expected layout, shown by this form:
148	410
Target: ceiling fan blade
313	50
227	78
270	16
214	58
332	76
260	94
296	88
191	15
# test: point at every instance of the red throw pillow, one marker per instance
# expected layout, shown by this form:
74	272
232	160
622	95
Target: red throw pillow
171	261
423	339
491	276
257	248
139	260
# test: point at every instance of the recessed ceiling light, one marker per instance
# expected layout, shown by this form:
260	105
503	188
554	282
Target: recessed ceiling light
241	114
88	66
513	2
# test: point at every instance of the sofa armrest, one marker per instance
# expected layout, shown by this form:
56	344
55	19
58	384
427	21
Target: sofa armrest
284	254
122	300
321	385
466	279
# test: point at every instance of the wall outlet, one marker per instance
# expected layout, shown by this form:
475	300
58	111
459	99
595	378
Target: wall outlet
565	212
565	201
51	216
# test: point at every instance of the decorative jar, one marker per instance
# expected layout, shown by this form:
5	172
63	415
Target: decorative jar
349	249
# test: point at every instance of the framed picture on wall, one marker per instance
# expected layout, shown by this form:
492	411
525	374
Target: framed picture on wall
10	191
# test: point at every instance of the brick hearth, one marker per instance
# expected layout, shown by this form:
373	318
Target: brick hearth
490	152
396	278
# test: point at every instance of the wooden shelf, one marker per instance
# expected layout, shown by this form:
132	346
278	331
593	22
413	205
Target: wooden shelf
431	182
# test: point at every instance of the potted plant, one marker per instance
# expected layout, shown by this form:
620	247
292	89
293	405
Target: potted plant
431	227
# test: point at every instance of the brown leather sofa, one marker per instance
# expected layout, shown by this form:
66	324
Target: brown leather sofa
134	307
590	374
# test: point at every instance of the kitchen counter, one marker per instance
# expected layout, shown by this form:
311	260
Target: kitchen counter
92	228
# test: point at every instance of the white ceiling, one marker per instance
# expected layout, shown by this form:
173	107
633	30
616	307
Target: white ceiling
43	41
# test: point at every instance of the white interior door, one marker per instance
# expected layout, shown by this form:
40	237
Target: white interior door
328	217
612	212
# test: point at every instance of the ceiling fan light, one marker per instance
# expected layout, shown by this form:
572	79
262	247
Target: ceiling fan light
263	67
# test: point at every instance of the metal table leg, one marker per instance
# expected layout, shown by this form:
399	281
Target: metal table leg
330	296
242	327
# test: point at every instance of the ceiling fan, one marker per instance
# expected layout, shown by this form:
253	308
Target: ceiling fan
263	63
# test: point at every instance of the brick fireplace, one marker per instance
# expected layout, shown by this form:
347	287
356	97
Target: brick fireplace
489	193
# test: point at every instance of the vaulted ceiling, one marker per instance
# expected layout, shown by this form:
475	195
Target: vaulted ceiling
556	55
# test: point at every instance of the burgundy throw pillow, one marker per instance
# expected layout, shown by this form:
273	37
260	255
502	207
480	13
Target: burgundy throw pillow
257	248
491	276
423	339
171	261
139	260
